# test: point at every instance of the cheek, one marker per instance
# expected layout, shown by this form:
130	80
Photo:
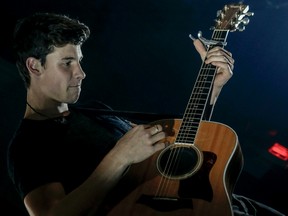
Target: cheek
54	81
60	75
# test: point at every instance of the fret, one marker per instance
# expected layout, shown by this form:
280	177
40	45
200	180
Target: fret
200	95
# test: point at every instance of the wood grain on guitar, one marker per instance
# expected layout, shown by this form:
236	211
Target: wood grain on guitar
195	175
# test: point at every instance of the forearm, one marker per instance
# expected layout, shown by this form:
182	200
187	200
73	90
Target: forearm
209	107
214	95
86	199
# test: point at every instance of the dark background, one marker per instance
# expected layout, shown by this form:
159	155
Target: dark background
140	58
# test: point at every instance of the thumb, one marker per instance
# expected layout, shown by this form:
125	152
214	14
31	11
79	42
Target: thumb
200	48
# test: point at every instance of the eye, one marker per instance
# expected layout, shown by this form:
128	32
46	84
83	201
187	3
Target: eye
67	63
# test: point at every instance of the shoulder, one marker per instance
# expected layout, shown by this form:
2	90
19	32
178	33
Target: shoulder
101	112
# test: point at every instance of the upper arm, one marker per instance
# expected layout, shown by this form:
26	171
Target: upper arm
41	200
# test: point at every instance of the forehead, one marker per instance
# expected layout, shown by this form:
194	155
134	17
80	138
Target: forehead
67	51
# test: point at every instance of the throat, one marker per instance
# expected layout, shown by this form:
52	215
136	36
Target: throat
40	115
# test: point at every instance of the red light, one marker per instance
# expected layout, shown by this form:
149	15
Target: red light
279	151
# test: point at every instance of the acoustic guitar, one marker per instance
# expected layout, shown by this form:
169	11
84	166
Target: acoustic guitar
195	175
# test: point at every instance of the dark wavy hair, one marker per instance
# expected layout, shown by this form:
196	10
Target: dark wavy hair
37	35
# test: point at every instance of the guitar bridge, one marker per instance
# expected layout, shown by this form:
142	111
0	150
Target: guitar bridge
164	204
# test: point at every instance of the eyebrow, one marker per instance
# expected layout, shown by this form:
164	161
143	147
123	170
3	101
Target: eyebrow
71	58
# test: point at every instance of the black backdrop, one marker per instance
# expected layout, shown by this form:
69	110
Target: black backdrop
140	58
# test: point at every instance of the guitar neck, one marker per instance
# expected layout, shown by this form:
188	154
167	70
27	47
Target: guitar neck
200	94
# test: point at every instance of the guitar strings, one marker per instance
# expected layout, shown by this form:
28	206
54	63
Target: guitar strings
165	186
165	183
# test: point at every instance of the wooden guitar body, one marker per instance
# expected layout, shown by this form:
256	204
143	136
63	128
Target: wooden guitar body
144	191
196	173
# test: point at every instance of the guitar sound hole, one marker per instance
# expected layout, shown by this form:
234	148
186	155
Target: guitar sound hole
179	161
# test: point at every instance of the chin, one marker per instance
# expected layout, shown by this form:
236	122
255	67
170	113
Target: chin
72	100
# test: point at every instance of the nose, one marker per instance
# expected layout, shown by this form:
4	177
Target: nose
80	74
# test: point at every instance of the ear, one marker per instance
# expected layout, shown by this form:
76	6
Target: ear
33	65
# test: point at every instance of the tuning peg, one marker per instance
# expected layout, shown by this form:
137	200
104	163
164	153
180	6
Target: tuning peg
241	24
249	14
241	28
245	21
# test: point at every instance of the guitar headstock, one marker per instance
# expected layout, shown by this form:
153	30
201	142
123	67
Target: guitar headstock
233	17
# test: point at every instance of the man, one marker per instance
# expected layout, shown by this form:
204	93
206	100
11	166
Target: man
64	161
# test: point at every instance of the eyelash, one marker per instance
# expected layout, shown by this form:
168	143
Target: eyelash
68	63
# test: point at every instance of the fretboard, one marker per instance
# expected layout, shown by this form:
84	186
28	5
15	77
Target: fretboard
200	95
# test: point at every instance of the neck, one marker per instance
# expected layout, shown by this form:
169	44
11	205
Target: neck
37	113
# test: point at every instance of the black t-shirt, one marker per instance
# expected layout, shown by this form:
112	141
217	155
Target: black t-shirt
65	150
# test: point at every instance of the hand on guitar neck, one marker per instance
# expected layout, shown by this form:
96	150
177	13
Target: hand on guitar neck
224	62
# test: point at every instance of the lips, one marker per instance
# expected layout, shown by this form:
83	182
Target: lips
75	86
